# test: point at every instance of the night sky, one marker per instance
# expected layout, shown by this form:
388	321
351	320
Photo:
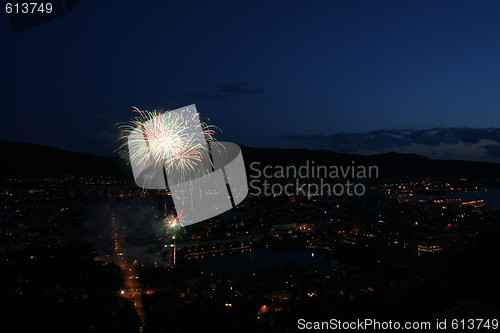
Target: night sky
351	76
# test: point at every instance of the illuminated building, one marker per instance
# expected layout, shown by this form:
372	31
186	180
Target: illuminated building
430	245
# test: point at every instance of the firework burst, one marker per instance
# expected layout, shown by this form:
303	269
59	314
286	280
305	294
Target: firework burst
173	224
175	141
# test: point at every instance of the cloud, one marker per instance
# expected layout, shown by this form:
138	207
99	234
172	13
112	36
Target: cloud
209	97
225	92
382	140
268	99
240	89
492	150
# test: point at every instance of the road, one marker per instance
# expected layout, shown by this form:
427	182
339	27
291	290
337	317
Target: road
122	259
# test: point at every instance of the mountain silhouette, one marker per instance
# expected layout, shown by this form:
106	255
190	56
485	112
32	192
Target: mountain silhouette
27	160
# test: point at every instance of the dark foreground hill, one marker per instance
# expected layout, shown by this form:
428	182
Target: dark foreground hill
389	164
32	161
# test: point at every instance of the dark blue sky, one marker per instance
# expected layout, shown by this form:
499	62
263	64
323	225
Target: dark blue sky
263	71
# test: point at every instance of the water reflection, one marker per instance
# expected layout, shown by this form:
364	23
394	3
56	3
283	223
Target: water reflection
257	259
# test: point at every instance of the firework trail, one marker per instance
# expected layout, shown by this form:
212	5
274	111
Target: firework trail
174	227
